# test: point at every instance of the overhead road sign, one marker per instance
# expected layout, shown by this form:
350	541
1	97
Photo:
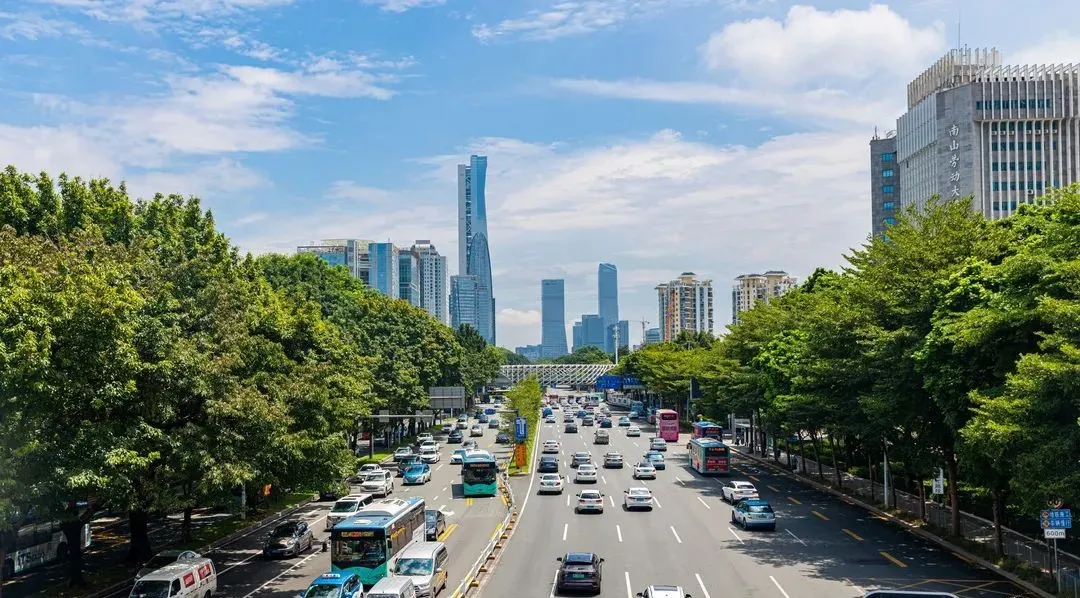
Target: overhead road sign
447	397
609	383
1055	519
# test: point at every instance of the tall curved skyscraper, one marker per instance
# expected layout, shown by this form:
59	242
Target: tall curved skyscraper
474	254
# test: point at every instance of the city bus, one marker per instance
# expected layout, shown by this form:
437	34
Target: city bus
369	542
667	424
637	409
704	429
709	456
37	543
479	474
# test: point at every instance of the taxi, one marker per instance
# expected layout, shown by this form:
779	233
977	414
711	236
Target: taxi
751	513
335	585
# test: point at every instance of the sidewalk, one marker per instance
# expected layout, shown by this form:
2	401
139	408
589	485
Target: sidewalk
1018	546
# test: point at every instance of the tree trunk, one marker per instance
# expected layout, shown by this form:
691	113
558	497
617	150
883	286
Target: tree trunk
870	474
73	537
816	442
802	453
835	463
922	500
954	498
185	526
998	505
139	549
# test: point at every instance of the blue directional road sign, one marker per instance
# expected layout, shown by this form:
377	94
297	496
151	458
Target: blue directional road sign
521	429
608	383
1056	519
630	381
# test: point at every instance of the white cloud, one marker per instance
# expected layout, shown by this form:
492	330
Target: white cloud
15	26
208	179
162	10
1055	48
358	193
566	18
518	317
403	5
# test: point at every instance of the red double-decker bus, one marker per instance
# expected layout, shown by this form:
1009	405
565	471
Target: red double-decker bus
667	424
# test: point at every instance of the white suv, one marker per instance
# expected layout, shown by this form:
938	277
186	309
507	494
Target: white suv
380	483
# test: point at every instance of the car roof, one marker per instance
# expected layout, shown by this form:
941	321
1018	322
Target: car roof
666	592
755	502
548	458
741	483
640	489
332	579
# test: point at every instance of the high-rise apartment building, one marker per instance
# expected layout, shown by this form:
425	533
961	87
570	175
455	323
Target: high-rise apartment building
884	182
749	289
1002	135
607	299
474	255
685	304
385	269
433	279
552	318
409	276
465	291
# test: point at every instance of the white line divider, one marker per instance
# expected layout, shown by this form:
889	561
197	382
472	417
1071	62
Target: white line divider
565	528
676	534
779	587
701	584
629	588
732	530
702	501
618	530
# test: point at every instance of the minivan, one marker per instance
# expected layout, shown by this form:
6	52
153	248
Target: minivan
395	586
424	563
194	578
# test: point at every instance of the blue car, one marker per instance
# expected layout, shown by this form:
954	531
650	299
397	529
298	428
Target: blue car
419	473
656	459
335	585
605	423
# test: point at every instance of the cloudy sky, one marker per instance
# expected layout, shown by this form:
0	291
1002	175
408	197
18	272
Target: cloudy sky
718	136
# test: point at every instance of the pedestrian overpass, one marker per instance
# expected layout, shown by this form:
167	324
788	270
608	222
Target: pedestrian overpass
553	374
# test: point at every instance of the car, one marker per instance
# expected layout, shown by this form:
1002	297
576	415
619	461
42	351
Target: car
447	428
737	490
455	437
483	418
476	430
752	513
428	444
580	458
586	474
408	462
548	464
656	459
633	432
380	483
549	419
458	456
637	498
579	571
424	438
644	471
551	446
436	524
502	438
335	585
430	455
613	460
417	474
605	423
493	424
345	507
570	428
403	452
590	501
289	538
587	421
663	592
365	469
163	558
551	483
582	413
624	422
463	424
601	437
658	444
568	419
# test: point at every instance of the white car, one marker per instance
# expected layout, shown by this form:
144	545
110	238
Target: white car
551	446
447	428
591	501
476	430
379	483
585	474
365	469
429	444
658	444
633	432
735	491
425	438
643	471
551	483
663	592
637	498
430	455
458	457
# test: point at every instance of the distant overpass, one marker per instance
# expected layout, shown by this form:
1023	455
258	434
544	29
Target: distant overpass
552	374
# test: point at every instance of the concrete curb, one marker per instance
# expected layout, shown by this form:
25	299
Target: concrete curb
122	587
968	556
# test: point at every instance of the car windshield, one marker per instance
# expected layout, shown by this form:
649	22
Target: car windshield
284	530
550	477
656	457
645	466
323	590
639	492
591	495
344	506
150	589
415	566
415	469
586	468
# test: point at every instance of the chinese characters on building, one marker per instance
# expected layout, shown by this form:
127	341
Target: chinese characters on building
954	161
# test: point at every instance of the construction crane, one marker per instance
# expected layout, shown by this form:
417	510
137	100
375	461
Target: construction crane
643	323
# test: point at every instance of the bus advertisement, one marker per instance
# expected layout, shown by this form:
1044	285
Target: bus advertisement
35	544
705	429
709	456
479	474
369	542
667	425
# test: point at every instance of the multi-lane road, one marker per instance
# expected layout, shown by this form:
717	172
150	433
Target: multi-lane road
822	547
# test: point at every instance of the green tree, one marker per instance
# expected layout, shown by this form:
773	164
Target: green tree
587	354
526	398
480	361
508	357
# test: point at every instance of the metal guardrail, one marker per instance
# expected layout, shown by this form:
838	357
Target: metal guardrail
480	572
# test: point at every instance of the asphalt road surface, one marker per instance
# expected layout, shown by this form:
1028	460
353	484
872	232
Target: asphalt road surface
822	547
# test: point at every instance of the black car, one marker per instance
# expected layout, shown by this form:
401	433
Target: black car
455	437
579	571
436	524
289	539
502	438
548	464
571	428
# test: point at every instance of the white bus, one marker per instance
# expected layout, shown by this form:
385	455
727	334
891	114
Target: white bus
36	544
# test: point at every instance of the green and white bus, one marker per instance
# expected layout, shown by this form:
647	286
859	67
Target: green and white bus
369	542
479	474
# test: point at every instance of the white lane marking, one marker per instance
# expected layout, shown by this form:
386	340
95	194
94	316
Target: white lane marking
438	468
657	502
701	584
612	499
736	535
702	501
680	480
279	575
435	499
794	536
779	587
554	581
618	530
636	444
565	528
442	508
444	488
603	479
568	500
629	591
311	524
676	534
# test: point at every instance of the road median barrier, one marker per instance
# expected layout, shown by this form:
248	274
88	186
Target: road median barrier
481	571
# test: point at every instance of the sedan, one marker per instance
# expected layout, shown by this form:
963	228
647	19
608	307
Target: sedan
476	430
417	474
436	524
551	483
458	456
580	458
658	444
425	438
403	452
733	492
455	437
570	428
637	498
430	455
613	460
663	592
549	419
633	432
585	474
644	471
548	464
590	501
502	438
551	447
289	539
656	459
493	424
624	422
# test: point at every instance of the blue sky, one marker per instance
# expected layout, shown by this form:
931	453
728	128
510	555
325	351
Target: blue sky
718	136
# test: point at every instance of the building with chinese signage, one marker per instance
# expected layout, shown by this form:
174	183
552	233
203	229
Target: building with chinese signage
1002	135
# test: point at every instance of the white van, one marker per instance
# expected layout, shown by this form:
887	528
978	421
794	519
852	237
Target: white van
195	578
394	586
425	563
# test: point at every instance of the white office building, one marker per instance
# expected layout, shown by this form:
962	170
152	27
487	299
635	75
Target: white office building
433	279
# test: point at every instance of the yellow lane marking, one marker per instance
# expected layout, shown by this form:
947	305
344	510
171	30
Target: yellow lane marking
469	502
794	500
853	534
820	516
773	488
893	559
753	478
446	532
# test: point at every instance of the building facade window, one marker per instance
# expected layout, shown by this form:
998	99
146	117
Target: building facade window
888	172
888	205
890	221
888	188
889	157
